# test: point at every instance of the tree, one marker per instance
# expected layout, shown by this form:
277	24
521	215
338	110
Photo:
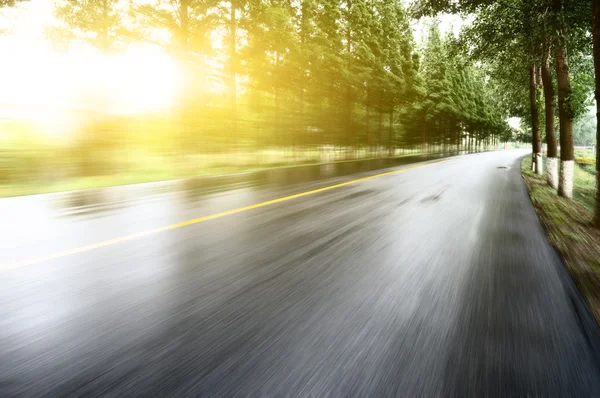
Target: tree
535	119
565	108
458	100
329	75
541	21
188	23
596	45
584	129
186	27
398	69
95	21
10	3
500	29
549	105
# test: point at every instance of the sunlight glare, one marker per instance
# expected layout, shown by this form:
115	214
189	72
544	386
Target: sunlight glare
50	88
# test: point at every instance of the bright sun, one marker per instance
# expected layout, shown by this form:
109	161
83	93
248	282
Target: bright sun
138	80
40	84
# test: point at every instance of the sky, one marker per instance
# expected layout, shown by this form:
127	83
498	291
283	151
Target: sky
42	82
447	23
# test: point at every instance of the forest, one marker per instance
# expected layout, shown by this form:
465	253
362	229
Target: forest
277	82
296	82
548	51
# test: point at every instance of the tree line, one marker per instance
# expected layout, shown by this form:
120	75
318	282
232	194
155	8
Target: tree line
545	56
346	75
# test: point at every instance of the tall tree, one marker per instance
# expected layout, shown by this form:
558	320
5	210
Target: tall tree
596	52
188	23
535	119
397	68
549	105
94	21
10	3
565	107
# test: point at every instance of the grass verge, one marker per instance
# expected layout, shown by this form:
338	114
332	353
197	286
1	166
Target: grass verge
569	229
155	174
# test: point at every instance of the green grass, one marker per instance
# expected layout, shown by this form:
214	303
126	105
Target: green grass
585	153
584	188
584	184
159	170
585	177
586	160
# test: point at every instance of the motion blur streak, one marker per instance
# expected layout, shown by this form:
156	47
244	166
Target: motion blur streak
198	220
437	282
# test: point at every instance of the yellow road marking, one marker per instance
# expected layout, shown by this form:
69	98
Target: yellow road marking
126	238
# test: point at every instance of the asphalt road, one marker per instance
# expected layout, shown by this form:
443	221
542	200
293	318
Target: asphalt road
435	281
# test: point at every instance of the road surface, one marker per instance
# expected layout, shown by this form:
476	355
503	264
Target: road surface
436	280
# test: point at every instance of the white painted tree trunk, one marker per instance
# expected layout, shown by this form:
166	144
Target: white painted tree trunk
567	169
539	164
552	172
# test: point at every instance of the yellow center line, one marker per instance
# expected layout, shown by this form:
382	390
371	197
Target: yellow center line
138	235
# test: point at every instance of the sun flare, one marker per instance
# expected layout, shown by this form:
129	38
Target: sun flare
50	87
141	79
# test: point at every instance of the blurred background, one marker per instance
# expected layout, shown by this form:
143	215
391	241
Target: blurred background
109	92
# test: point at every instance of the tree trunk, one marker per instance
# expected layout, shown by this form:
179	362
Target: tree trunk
302	125
367	116
104	30
391	133
467	142
552	162
596	41
471	141
348	116
457	141
535	121
380	131
469	148
183	22
232	74
276	117
349	132
565	112
233	56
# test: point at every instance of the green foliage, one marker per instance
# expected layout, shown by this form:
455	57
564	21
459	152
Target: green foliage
585	161
188	22
584	129
511	37
10	3
459	101
582	81
333	78
94	21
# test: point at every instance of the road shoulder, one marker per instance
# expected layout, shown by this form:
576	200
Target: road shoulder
570	233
